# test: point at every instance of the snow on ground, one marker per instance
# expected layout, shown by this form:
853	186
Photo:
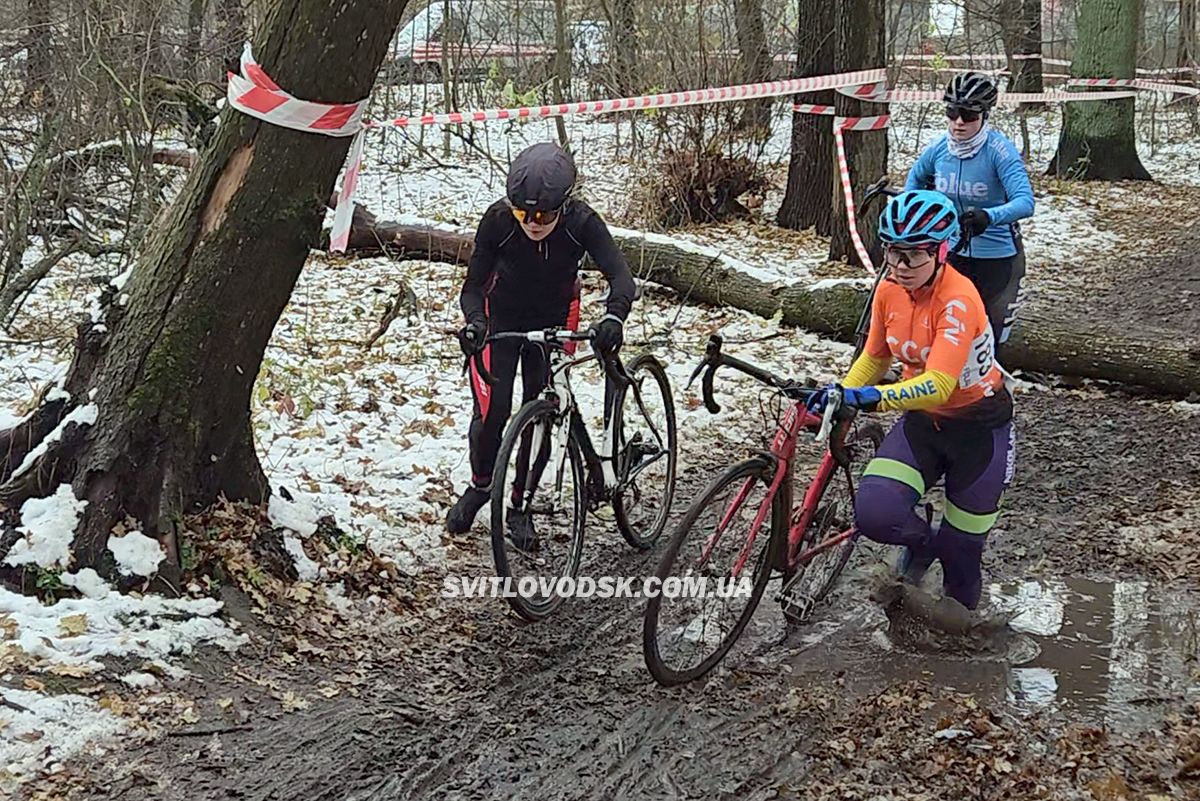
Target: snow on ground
77	639
378	437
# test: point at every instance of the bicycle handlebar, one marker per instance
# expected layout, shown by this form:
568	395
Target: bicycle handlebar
713	358
554	337
797	391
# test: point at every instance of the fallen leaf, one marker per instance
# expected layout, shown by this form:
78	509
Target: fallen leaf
1002	765
73	671
1112	788
30	736
225	703
189	716
113	703
9	627
291	702
35	685
329	692
73	625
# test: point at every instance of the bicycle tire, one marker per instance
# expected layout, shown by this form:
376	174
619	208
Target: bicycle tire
872	433
531	413
646	365
755	468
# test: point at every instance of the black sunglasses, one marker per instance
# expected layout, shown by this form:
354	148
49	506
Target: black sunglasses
954	113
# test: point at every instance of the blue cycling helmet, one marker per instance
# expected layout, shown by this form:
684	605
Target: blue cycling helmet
918	217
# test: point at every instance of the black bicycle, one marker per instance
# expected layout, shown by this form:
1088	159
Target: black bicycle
549	474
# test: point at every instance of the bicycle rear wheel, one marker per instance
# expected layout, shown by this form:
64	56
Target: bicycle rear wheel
644	422
538	489
815	579
713	543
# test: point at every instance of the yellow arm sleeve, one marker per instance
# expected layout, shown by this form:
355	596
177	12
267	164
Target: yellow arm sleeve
867	369
928	390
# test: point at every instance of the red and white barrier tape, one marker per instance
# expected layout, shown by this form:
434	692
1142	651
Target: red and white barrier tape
253	92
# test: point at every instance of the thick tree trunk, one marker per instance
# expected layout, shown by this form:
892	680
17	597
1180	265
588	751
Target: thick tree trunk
195	38
860	45
1027	41
1185	57
623	59
230	32
811	175
171	370
1165	363
1098	140
755	57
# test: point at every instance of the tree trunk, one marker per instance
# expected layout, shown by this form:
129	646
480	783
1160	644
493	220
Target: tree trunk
195	37
1098	141
562	66
170	371
860	45
39	59
230	32
811	174
1162	362
624	52
755	58
1027	72
1185	58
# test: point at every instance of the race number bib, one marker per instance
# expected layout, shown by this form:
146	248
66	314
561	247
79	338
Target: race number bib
980	360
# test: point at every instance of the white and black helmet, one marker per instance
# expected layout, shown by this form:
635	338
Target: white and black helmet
971	91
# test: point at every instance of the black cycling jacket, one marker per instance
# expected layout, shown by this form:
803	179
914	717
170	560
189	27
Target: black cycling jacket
518	284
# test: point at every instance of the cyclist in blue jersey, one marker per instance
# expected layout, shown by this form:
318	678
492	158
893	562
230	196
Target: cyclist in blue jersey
979	169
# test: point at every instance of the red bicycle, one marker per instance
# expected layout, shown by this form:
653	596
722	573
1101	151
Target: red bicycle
722	535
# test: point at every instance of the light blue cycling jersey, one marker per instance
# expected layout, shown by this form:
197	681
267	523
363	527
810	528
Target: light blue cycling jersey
993	179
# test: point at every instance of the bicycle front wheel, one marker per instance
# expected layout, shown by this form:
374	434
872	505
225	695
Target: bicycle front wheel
646	450
717	542
538	509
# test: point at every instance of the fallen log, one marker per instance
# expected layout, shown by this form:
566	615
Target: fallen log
1167	362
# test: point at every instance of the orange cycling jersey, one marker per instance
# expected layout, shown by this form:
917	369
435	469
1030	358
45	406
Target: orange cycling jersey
942	336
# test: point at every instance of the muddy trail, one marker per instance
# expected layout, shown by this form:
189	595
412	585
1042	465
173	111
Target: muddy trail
465	701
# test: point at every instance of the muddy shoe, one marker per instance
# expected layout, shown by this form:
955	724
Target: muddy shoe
461	516
942	613
521	532
911	568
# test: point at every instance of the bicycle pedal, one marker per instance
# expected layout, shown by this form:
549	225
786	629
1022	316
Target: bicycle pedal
796	608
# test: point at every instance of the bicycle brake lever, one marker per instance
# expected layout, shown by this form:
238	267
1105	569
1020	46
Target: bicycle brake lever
831	407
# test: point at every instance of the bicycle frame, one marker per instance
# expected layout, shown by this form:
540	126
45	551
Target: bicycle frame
598	462
783	448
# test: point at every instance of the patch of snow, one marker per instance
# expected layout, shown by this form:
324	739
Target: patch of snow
724	259
55	728
116	625
58	394
121	280
305	567
81	416
1185	407
300	514
140	680
88	582
830	283
49	526
136	554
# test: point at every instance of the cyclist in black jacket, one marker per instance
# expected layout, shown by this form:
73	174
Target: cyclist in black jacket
524	276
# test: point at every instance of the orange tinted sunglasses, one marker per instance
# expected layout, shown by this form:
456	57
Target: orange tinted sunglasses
537	216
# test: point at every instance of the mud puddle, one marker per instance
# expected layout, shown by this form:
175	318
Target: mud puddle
1111	654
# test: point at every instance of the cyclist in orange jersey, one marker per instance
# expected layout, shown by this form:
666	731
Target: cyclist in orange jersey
957	420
